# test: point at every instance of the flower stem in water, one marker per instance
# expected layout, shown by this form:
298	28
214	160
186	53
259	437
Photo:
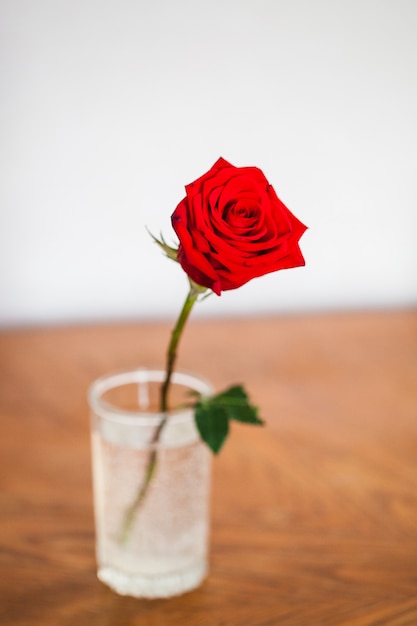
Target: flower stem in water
153	457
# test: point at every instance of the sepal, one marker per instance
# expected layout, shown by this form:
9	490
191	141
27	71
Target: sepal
172	253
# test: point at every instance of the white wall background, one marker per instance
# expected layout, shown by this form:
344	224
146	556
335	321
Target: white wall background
108	107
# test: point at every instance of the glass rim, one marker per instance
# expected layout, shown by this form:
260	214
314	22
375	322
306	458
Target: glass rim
111	412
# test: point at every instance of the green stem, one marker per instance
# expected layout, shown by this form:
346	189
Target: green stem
170	362
172	349
131	511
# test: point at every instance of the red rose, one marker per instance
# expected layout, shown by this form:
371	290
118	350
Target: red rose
232	227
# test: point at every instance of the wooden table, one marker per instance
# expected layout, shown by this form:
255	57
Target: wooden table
314	518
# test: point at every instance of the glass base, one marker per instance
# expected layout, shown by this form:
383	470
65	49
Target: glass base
162	586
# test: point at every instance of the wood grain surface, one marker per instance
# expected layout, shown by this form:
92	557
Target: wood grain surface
314	517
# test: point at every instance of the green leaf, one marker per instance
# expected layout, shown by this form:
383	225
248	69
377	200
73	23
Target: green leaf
212	415
213	425
236	403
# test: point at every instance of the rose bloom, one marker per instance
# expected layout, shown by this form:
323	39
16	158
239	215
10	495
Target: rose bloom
232	227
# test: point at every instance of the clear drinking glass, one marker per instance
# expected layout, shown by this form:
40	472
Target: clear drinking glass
164	550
